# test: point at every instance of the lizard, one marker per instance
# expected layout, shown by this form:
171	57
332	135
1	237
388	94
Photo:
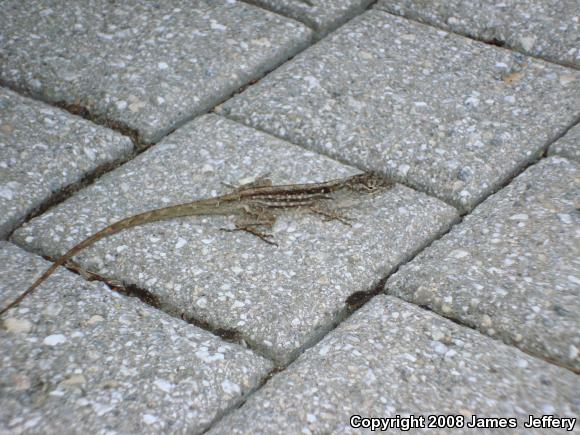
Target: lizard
259	201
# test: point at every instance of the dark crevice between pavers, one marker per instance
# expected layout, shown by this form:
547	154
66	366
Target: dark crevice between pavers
516	171
84	112
351	305
459	322
149	298
318	35
496	42
80	110
139	146
231	335
338	159
504	340
69	190
359	299
306	23
519	169
244	398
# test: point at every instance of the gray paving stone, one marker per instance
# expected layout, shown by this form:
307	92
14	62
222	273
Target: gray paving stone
569	145
544	28
511	268
392	358
443	113
78	358
43	150
149	65
277	298
321	15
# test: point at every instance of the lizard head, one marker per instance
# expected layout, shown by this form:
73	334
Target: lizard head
369	182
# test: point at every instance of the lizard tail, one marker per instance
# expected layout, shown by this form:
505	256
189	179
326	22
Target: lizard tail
112	229
30	289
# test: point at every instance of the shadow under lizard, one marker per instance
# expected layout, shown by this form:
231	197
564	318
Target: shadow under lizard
257	204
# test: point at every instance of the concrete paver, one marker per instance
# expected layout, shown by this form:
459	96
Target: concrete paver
148	65
321	15
43	150
276	298
440	112
544	28
78	357
438	107
392	358
569	145
511	268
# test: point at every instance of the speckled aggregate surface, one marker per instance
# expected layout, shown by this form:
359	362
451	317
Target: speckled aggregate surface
148	65
569	145
78	357
321	15
544	28
44	149
452	118
446	114
392	358
277	298
511	268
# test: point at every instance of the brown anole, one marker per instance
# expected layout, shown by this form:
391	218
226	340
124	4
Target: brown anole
258	205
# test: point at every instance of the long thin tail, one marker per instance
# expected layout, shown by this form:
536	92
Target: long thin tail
111	229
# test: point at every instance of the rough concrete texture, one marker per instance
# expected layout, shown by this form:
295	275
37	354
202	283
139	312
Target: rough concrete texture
392	358
544	28
440	112
321	15
43	150
569	145
78	358
148	65
276	298
511	268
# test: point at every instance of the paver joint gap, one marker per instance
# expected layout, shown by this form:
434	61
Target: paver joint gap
493	42
352	304
310	22
334	157
251	3
81	111
533	161
148	298
244	398
139	146
358	300
520	170
66	192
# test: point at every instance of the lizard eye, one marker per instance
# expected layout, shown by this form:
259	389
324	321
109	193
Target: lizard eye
374	182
